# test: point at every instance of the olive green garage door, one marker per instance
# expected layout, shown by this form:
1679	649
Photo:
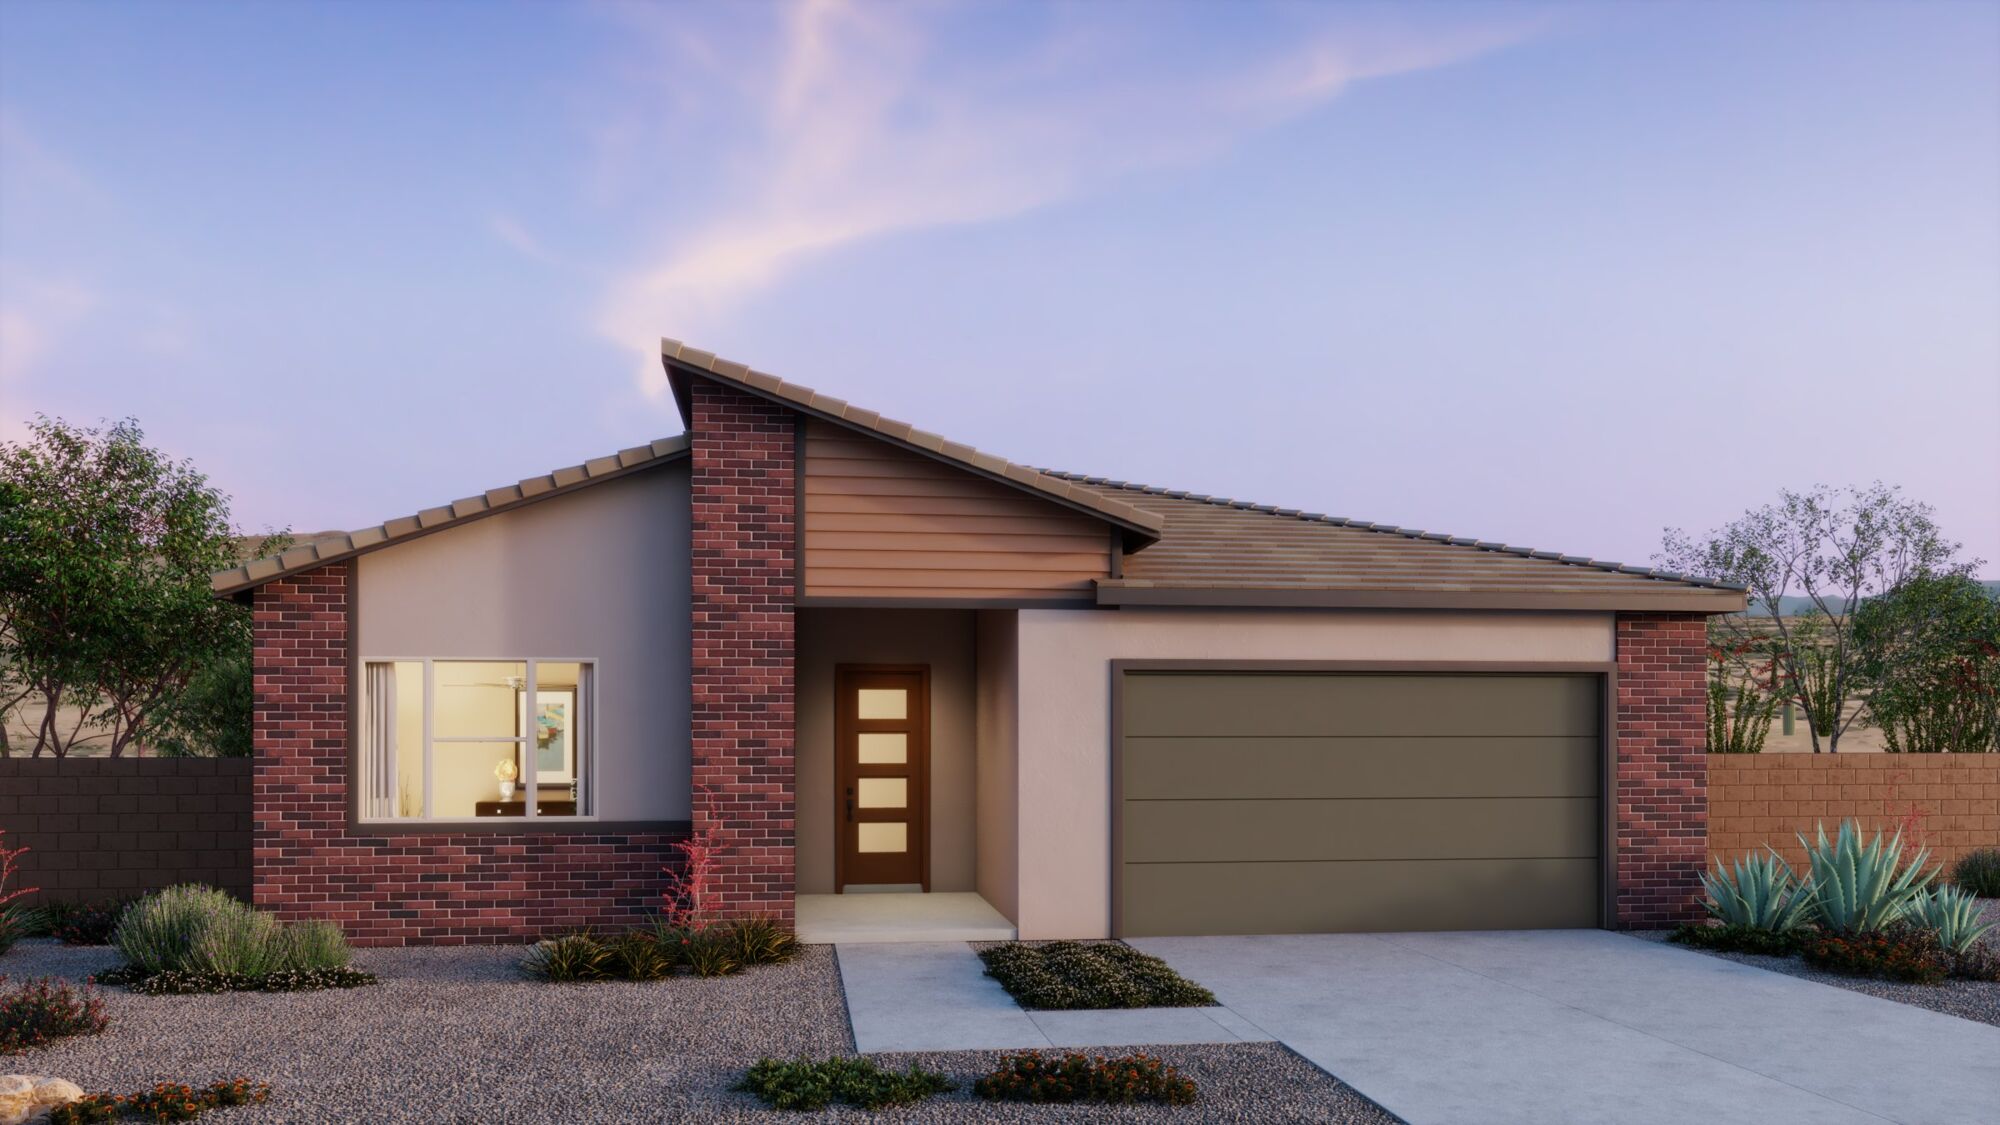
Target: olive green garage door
1315	802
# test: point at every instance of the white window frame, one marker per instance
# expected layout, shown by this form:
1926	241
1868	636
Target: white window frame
586	754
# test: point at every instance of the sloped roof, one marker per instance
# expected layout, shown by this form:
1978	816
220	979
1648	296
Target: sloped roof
1140	524
1216	551
334	548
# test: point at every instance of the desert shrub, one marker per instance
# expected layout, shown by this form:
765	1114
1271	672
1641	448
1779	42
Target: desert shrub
1978	961
18	920
1758	892
762	940
165	1102
43	1010
1952	914
199	939
84	923
1862	886
571	958
1065	975
710	952
1901	953
1125	1080
858	1082
1737	938
639	956
1978	871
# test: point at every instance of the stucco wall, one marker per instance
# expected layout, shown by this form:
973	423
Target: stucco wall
599	574
1064	735
998	787
942	639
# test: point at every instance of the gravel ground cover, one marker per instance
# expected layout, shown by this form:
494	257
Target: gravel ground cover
1968	999
458	1035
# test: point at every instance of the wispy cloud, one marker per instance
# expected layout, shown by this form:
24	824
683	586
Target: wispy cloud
846	122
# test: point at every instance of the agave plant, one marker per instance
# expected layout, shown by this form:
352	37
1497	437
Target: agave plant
1759	891
1952	914
1860	887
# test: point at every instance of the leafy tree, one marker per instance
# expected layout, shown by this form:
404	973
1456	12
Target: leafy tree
106	547
1835	548
1930	651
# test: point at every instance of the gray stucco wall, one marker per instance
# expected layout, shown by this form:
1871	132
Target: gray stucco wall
599	574
942	639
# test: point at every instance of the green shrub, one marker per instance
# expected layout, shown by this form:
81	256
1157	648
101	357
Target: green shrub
1126	1080
1064	975
1978	871
571	958
1952	914
710	952
639	956
1737	938
804	1085
1862	887
84	923
1758	892
91	1109
198	939
1901	954
18	920
761	940
44	1010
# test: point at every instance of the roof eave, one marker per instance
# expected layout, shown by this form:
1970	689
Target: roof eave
238	581
1678	600
1136	531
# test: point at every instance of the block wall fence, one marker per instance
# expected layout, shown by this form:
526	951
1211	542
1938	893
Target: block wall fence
1949	803
115	827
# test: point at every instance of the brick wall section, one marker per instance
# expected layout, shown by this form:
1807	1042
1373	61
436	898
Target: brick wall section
397	889
1949	803
1662	796
745	539
116	827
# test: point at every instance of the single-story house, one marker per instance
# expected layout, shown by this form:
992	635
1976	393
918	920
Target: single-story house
867	658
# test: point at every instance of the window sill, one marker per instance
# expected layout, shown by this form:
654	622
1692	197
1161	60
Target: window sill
518	826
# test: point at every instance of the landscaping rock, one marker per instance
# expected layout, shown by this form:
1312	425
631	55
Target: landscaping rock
30	1097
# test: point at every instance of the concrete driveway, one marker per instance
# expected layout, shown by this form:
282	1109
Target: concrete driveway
1589	1026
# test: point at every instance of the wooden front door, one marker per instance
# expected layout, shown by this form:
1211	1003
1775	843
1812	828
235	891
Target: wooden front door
882	725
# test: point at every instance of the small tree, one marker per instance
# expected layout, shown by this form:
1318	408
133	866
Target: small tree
1739	713
1930	652
106	547
1835	548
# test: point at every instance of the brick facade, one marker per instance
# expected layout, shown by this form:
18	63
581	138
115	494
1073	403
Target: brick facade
403	888
1661	784
743	575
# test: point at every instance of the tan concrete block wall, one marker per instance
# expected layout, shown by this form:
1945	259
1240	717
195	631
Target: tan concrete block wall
1949	803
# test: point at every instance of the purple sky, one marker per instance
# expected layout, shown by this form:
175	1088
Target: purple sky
1550	275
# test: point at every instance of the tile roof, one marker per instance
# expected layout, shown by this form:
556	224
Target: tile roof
1217	551
333	548
1136	520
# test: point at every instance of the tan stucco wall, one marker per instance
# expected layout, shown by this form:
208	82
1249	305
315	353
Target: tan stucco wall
940	638
598	574
1064	733
998	788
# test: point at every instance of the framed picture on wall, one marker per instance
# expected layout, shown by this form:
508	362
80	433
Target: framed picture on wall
552	735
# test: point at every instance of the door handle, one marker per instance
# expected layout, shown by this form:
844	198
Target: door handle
850	803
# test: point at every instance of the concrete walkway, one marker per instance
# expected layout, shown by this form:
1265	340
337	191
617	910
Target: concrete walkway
936	996
1587	1026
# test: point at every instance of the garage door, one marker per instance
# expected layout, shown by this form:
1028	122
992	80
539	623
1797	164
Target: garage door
1282	802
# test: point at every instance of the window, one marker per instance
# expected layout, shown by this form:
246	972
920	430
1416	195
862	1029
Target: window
477	739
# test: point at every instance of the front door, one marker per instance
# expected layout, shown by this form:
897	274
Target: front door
882	727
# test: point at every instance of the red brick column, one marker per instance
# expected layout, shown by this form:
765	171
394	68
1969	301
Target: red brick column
745	551
1662	784
298	725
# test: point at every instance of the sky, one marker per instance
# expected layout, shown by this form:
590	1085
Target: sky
1550	275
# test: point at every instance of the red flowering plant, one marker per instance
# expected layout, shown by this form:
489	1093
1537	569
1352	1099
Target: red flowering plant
41	1011
15	920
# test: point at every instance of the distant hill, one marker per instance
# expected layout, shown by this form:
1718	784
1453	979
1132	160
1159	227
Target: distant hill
1793	606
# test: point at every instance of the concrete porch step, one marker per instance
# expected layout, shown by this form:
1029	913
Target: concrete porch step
854	919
